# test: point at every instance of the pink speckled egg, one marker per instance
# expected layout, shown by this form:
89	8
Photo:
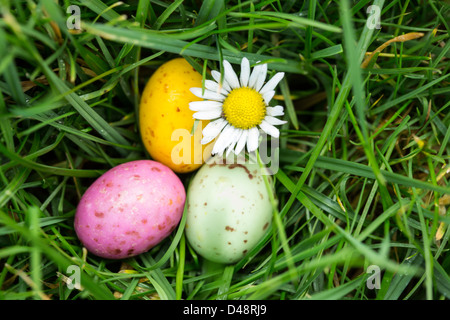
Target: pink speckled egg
130	209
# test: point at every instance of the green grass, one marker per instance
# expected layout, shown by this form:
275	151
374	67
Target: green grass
364	157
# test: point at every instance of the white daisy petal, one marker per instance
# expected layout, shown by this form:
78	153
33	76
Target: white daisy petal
219	146
230	75
274	121
208	115
196	92
204	105
214	87
268	96
211	85
224	140
216	76
262	78
241	142
206	140
245	72
269	129
272	83
234	139
258	72
252	139
209	95
275	111
258	76
213	128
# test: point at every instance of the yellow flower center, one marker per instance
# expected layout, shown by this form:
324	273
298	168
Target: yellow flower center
244	108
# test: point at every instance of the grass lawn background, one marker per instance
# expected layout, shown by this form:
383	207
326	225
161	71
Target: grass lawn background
364	158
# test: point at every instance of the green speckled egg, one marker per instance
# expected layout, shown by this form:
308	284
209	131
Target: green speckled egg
228	210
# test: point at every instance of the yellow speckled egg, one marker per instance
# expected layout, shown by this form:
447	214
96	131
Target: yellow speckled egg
166	121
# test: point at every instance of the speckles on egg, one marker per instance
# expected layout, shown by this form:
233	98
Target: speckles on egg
228	228
228	211
125	212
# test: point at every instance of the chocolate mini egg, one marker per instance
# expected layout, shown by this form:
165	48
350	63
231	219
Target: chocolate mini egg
228	210
129	209
166	121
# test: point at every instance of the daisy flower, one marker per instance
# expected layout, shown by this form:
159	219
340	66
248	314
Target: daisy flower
238	107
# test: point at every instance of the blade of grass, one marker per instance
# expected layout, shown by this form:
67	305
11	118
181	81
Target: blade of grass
101	9
327	52
158	279
427	252
360	104
209	10
334	114
166	14
288	103
62	261
365	171
341	291
180	269
130	289
33	214
298	21
159	42
222	292
408	96
86	173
